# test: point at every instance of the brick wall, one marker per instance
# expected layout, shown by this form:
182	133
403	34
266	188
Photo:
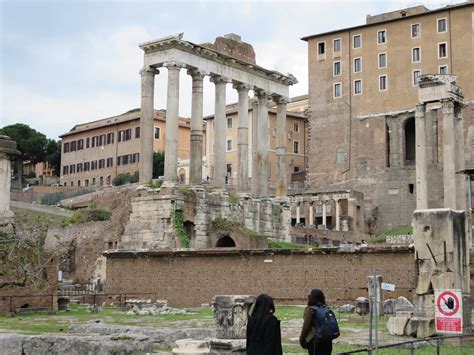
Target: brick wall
194	277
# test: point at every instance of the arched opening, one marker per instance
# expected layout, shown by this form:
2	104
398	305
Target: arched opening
225	242
409	131
182	175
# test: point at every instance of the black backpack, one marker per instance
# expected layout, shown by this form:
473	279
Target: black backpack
325	324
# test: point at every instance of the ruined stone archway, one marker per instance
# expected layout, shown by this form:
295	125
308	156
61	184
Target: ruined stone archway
225	242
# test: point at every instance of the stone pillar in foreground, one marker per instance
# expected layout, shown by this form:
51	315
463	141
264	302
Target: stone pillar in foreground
311	214
324	215
219	131
462	180
262	144
254	144
243	138
195	168
281	184
421	164
338	215
449	154
147	123
172	124
231	313
7	151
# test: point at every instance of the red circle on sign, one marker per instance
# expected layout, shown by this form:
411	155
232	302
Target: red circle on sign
441	297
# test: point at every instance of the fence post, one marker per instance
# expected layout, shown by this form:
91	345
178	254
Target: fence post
437	345
460	343
412	350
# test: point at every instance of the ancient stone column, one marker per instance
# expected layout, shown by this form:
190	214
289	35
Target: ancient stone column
281	184
311	214
172	123
449	154
262	144
195	164
298	213
219	131
461	179
254	144
147	123
243	138
7	151
324	215
338	214
421	164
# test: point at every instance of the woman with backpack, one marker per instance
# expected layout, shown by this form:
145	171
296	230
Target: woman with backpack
263	329
319	325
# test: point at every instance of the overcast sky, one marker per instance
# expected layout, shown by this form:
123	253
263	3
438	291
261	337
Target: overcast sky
73	61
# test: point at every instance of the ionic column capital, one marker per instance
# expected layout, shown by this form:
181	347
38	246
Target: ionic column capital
174	65
197	74
151	71
219	79
242	87
280	100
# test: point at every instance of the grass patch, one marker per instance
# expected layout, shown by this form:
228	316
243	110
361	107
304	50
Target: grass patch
154	184
178	222
87	215
274	244
233	199
394	232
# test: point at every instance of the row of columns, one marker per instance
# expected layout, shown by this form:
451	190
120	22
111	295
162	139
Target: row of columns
260	137
324	213
453	156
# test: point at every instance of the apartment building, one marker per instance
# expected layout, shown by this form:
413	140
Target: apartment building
93	153
362	93
296	128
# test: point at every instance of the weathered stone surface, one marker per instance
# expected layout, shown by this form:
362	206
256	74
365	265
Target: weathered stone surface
346	308
362	306
389	306
396	325
403	304
426	327
192	346
424	305
231	313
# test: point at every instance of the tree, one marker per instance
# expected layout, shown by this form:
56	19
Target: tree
33	145
158	164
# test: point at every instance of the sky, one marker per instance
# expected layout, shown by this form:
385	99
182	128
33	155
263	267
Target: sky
65	62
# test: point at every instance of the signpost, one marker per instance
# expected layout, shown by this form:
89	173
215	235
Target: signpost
448	311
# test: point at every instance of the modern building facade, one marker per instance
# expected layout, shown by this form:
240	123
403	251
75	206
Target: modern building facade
295	141
362	94
94	153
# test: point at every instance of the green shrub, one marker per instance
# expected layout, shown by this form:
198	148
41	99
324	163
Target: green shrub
30	175
153	184
122	179
233	199
178	222
87	215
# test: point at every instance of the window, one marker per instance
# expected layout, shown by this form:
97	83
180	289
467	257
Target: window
382	82
102	139
357	41
66	147
87	166
337	90
110	162
93	181
78	182
79	168
382	60
296	147
128	134
72	183
229	122
86	182
321	47
110	138
443	69
415	30
94	165
94	141
442	25
65	170
228	144
72	169
357	87
357	65
416	74
137	132
73	146
88	142
381	36
124	159
296	169
337	69
157	132
101	163
296	127
336	45
229	169
136	157
442	51
416	55
340	156
80	144
121	136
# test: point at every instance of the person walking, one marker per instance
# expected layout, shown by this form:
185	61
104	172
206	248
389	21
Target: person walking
263	329
317	303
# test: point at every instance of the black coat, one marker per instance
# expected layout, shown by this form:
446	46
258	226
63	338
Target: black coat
264	336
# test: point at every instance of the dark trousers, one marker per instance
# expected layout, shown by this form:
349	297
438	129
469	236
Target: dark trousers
320	348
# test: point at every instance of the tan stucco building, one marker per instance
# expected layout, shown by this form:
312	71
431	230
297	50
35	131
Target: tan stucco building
93	153
362	95
296	140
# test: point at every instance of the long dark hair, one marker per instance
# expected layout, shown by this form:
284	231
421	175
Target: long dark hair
316	298
263	305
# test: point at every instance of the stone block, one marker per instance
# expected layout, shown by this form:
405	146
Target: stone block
396	325
403	304
191	347
362	305
426	327
389	306
424	305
